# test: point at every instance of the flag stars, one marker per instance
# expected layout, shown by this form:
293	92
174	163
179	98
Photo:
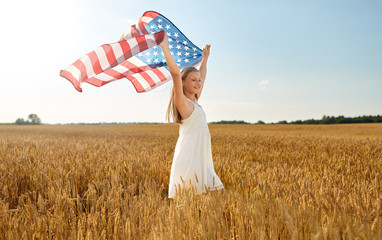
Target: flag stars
181	49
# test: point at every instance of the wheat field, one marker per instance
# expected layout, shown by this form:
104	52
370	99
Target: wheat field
111	182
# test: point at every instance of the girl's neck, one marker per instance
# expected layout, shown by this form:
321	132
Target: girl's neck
191	97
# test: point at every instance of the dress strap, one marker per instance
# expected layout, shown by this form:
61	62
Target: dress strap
195	103
190	100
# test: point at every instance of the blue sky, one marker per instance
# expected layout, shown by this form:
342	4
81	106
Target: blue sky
270	60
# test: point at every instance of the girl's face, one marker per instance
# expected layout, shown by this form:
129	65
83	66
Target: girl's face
192	82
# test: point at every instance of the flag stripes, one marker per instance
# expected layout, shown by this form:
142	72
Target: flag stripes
124	59
94	66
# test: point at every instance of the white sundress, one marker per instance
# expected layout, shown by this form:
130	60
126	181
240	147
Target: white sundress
192	157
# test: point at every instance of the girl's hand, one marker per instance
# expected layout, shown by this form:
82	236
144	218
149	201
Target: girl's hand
206	51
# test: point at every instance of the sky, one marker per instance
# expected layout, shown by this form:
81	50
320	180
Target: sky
270	60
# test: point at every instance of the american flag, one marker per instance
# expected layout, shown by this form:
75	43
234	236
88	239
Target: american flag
136	56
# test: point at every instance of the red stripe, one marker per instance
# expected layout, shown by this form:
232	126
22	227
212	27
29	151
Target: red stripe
71	78
159	73
159	36
115	74
148	79
142	25
81	66
111	72
96	82
133	68
125	49
134	31
138	87
110	55
95	62
142	43
150	14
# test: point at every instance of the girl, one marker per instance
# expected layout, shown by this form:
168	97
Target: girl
192	163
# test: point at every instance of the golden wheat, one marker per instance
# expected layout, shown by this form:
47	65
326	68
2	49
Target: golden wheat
111	182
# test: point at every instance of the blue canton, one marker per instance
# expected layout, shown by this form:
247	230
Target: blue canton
183	50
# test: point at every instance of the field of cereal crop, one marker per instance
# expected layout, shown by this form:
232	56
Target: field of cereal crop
111	182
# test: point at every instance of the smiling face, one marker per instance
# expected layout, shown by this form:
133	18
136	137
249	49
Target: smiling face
192	83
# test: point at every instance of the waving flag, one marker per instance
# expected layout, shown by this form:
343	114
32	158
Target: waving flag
136	56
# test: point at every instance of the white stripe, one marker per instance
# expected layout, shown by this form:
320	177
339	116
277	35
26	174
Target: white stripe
105	77
88	66
165	72
150	40
75	72
118	53
142	81
133	46
154	77
100	52
138	27
137	62
121	69
146	19
167	75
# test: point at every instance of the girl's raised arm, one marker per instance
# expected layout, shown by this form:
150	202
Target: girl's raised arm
172	66
184	107
203	67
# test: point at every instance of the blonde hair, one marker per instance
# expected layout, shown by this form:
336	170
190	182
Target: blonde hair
172	111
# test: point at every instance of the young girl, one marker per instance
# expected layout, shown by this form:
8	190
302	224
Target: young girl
192	163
